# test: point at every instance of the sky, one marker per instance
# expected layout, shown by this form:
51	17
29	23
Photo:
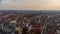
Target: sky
30	4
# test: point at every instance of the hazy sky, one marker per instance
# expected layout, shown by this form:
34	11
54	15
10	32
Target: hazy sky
30	4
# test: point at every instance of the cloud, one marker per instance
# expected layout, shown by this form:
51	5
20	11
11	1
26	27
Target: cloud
30	4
